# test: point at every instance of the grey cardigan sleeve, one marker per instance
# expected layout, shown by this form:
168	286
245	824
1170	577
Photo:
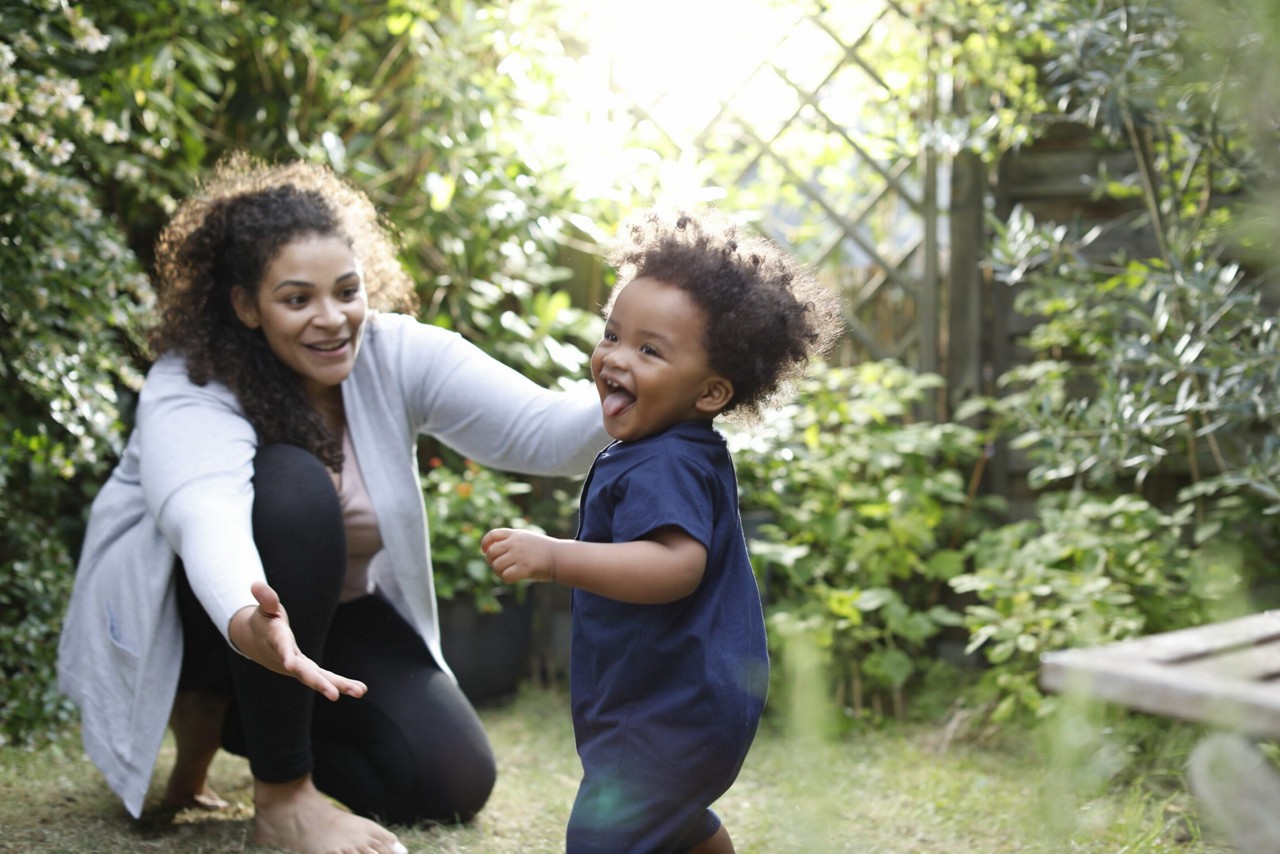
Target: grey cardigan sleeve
197	453
493	414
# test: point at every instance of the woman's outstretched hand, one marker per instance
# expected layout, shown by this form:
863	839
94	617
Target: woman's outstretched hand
263	635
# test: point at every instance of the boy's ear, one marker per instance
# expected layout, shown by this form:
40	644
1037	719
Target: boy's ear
245	307
715	395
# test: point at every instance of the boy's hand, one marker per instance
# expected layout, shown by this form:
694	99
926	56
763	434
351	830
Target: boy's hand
518	555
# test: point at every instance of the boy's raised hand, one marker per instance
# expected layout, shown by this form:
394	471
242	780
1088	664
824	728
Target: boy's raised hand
517	555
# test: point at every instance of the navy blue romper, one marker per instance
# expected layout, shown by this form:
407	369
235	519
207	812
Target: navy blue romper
666	698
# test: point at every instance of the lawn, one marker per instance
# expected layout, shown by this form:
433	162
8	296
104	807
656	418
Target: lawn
903	788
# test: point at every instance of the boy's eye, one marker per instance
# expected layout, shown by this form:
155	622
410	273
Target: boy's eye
649	350
610	336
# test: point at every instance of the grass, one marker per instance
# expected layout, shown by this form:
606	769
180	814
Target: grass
903	788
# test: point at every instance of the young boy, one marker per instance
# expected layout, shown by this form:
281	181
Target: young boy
669	664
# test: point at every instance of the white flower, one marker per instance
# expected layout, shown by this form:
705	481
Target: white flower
61	152
111	132
127	172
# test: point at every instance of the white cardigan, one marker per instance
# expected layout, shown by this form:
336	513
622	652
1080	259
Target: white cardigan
185	487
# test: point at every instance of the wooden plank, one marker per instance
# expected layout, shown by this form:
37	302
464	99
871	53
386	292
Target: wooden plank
1196	642
1251	708
966	338
1256	663
1238	788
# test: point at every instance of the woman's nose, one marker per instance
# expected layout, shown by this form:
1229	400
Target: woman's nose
330	313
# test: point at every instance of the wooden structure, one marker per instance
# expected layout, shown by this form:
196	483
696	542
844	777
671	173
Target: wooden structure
799	138
1226	675
900	228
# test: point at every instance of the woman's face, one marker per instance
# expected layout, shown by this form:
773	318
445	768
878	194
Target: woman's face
311	307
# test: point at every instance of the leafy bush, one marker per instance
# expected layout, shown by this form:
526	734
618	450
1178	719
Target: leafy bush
104	122
1087	570
866	511
66	330
464	500
1161	356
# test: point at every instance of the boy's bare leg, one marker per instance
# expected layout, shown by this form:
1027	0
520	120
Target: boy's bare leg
296	816
717	843
196	721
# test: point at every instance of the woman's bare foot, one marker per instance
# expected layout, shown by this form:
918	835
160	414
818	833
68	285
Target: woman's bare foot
296	816
196	721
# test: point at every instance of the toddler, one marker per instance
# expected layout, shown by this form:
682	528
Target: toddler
669	665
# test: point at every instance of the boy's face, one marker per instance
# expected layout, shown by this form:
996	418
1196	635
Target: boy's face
650	366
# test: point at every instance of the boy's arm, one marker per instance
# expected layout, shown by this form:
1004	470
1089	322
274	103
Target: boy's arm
666	567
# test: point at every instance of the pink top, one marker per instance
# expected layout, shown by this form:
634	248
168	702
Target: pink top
363	538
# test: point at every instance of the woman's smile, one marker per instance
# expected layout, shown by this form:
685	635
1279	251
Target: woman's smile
311	307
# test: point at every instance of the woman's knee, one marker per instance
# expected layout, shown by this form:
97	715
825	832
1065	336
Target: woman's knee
469	788
451	798
448	785
406	788
292	487
297	517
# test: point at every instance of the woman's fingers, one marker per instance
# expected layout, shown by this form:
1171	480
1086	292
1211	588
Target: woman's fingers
279	649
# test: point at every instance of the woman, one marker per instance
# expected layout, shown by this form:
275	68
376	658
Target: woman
273	466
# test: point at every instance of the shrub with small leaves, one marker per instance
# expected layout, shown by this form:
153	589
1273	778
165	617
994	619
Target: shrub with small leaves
866	509
68	316
1088	570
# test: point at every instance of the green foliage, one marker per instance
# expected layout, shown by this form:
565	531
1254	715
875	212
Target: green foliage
866	511
1153	367
420	104
464	500
104	122
67	323
1087	570
1144	368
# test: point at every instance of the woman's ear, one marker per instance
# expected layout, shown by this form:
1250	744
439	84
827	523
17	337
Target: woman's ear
245	307
715	395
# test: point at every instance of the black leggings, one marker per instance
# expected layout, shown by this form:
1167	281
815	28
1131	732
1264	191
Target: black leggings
412	749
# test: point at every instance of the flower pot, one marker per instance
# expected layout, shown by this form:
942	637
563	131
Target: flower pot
488	652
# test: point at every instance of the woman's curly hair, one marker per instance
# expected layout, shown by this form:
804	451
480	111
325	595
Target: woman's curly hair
225	235
766	315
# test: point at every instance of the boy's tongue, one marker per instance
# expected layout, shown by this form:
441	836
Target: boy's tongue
616	402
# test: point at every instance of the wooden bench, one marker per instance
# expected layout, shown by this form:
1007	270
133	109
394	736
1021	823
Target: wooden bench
1226	675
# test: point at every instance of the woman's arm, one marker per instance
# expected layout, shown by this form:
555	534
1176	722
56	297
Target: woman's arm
197	454
491	413
666	567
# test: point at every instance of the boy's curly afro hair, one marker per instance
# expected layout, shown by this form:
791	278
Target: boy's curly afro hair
766	315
